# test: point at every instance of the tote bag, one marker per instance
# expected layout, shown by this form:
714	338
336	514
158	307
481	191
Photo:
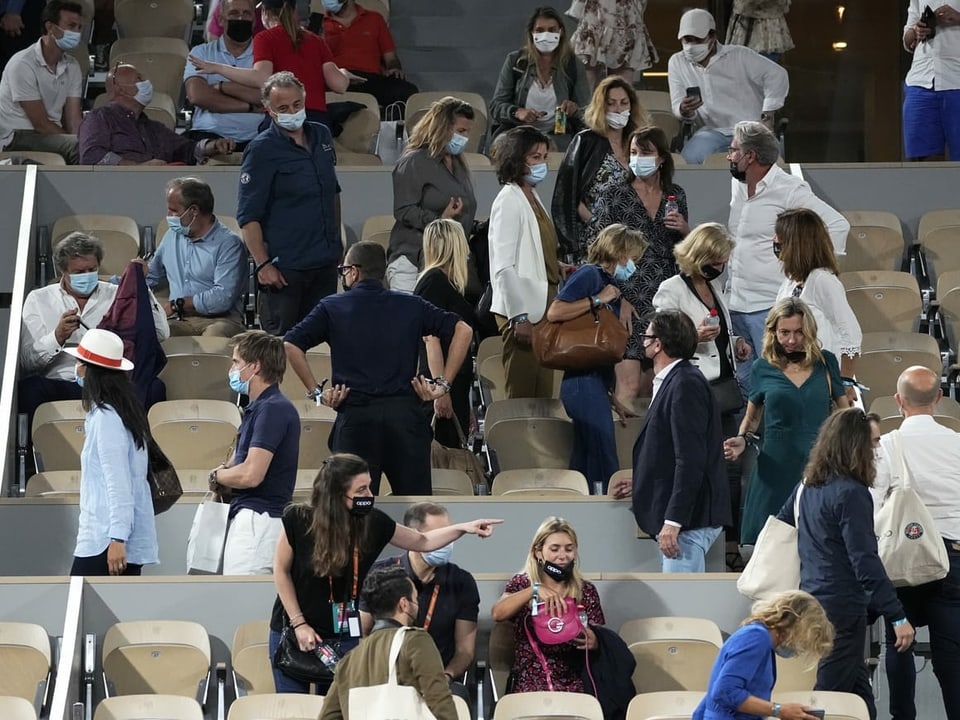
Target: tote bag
208	535
591	341
911	548
775	563
394	701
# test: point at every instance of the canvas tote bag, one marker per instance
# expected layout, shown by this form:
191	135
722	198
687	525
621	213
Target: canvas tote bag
911	548
208	535
775	563
394	701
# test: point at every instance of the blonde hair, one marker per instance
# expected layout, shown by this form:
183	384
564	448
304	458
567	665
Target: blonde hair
432	132
595	114
784	309
800	621
563	52
707	244
533	567
445	247
614	242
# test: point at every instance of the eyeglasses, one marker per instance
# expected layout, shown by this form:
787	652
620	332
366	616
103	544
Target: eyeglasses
649	337
342	269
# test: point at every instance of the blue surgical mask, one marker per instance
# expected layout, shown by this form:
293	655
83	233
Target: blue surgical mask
333	6
83	283
438	557
785	652
78	379
623	272
144	94
457	143
292	121
644	165
175	223
537	174
69	41
238	385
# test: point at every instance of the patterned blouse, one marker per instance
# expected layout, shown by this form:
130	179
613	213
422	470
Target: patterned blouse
610	174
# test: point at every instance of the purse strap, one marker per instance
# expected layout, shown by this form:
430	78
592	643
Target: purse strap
458	426
395	654
538	652
796	504
898	464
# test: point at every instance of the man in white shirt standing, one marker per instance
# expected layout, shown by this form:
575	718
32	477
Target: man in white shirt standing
715	86
760	191
931	453
42	87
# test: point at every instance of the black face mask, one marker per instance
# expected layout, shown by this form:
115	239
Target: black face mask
709	272
239	30
796	356
738	175
362	505
777	249
558	572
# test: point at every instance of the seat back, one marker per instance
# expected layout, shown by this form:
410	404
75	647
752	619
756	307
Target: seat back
671	628
626	433
500	651
361	128
154	19
376	228
516	408
794	675
346	158
197	376
148	707
54	483
314	438
883	300
874	242
250	659
419	103
170	657
163	69
540	481
119	235
25	659
531	443
948	299
666	121
652	100
16	708
276	706
322	367
43	158
839	705
939	237
58	433
883	356
673	664
489	347
672	704
450	482
544	705
195	433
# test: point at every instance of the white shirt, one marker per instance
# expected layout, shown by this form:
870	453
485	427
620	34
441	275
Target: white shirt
660	377
543	99
40	354
936	63
755	274
838	329
736	84
28	77
932	455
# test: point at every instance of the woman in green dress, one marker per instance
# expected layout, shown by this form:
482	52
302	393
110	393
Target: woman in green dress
795	386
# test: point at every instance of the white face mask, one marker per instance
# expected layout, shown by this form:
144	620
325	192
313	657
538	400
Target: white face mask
618	120
546	41
696	52
144	94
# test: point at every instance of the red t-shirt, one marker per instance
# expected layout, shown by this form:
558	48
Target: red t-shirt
361	44
306	61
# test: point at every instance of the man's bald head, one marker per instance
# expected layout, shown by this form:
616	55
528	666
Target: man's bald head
918	388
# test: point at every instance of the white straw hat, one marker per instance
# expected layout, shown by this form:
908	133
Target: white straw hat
102	348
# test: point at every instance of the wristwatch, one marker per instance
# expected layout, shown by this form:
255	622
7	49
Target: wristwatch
442	382
776	710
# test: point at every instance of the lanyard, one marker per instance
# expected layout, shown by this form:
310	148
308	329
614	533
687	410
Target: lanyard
356	576
431	606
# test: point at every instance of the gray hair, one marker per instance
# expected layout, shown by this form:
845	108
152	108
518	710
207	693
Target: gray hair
76	244
757	138
282	79
416	515
193	191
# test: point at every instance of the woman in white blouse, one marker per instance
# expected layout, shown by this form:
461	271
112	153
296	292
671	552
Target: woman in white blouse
802	243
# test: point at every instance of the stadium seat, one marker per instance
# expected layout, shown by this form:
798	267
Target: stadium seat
419	103
120	236
839	705
42	158
314	437
476	161
515	408
795	675
305	479
250	659
622	472
500	653
875	241
54	483
25	659
883	300
162	108
58	434
626	437
229	220
883	356
669	705
463	710
361	128
672	653
376	228
148	707
554	159
654	100
346	159
161	60
194	481
948	307
530	443
666	121
16	708
154	19
947	413
939	238
545	705
321	365
276	706
168	657
673	627
196	345
195	433
450	482
197	376
488	347
493	382
540	481
716	160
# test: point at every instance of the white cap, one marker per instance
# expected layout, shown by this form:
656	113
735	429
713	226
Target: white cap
696	23
102	348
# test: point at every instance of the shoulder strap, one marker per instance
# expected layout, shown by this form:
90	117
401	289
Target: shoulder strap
796	505
395	653
898	463
538	652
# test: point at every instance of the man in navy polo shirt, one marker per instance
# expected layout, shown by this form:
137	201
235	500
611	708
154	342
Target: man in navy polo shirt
288	207
263	470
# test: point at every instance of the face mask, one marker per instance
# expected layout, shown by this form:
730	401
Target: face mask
78	379
709	272
738	174
785	652
175	223
144	94
333	6
238	385
362	505
69	41
438	557
292	121
696	52
558	572
618	120
83	283
239	30
457	143
777	248
643	165
795	356
623	272
546	41
537	174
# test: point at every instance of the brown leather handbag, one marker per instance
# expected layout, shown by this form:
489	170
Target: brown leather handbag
595	339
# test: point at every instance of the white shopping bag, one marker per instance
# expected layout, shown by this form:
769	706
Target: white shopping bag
208	535
392	700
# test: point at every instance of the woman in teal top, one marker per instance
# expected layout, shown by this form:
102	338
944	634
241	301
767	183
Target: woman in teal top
795	385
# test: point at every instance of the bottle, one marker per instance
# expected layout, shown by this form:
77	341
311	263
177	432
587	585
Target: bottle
712	319
559	121
328	656
582	616
671	206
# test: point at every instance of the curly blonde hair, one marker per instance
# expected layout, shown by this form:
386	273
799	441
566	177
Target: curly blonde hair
800	621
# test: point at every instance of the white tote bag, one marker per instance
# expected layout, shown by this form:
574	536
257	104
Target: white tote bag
775	564
394	701
911	548
208	535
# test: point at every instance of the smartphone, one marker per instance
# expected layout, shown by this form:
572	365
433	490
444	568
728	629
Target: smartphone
929	18
693	91
817	713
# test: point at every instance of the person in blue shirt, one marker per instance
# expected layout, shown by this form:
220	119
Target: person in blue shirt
203	262
288	207
263	471
587	395
789	624
375	337
116	534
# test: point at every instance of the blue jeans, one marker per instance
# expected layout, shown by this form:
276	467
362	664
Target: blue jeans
749	326
936	604
285	683
694	545
594	451
705	142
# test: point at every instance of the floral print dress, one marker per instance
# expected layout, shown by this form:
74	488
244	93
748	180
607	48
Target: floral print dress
611	173
612	33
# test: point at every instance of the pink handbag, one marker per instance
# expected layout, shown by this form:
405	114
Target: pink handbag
554	630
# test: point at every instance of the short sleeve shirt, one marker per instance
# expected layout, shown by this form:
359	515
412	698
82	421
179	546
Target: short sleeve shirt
360	45
239	126
305	61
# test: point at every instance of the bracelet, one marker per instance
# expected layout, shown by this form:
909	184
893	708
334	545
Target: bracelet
898	623
270	261
300	615
300	624
595	301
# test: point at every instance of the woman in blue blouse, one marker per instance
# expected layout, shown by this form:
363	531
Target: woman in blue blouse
791	623
117	535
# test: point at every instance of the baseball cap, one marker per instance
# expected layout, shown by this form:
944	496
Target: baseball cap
696	23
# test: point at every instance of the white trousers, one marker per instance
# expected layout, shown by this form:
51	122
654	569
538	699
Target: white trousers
251	543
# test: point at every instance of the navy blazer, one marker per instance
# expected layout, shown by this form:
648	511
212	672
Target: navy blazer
679	472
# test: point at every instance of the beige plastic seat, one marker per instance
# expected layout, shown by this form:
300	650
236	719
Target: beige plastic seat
795	675
120	236
148	707
361	128
948	301
322	368
875	241
153	19
159	58
669	627
672	653
276	706
194	481
516	408
476	161
376	228
308	408
939	237
531	443
489	347
666	121
883	356
197	345
450	482
883	300
419	103
626	437
195	433
839	706
162	108
54	483
168	657
58	433
15	708
25	659
228	220
347	159
500	653
463	710
716	160
540	481
44	158
554	160
654	100
947	413
197	376
678	159
250	659
666	705
493	380
621	473
314	436
544	705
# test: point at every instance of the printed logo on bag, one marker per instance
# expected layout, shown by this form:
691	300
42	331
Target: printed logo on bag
555	625
913	531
